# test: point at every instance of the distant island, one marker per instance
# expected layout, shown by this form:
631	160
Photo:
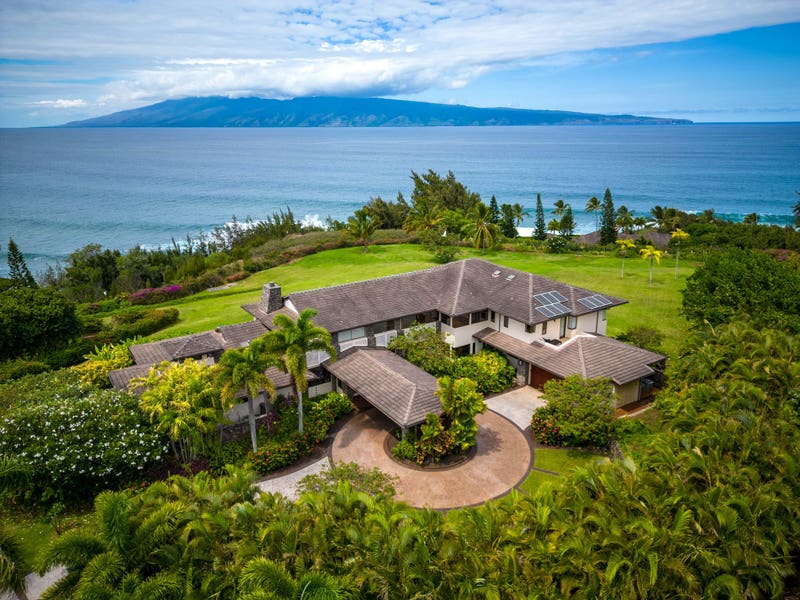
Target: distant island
219	111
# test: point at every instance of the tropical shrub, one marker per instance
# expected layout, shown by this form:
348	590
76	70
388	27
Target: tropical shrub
339	404
30	390
138	323
105	359
183	401
406	449
157	295
19	367
34	320
78	447
642	336
373	481
488	369
461	401
579	412
424	347
434	440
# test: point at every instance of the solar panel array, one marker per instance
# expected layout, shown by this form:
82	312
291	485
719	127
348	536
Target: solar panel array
596	301
549	298
551	304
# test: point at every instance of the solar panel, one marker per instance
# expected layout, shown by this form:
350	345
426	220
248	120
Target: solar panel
549	298
552	310
596	301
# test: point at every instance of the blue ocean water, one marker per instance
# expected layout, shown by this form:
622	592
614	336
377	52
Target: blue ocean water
61	189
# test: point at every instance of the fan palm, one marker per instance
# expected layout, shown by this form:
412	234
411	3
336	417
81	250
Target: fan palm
245	368
288	344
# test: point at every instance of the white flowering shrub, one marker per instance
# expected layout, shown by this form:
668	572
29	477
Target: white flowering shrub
78	447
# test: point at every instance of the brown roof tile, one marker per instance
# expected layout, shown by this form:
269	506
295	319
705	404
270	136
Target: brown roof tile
403	392
588	355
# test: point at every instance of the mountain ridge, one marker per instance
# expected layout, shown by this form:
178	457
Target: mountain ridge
331	111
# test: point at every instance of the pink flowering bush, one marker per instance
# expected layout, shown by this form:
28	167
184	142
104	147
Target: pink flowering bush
157	295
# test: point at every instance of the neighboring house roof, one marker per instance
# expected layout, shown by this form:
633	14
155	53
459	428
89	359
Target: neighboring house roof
588	355
455	288
401	391
658	239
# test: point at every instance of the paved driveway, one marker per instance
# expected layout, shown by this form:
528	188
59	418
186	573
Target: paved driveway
517	405
503	458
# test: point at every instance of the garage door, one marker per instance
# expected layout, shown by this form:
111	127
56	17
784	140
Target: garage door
539	377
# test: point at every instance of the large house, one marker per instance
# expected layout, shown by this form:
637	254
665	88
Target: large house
546	329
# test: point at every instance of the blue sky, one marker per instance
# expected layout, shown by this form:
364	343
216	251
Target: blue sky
718	60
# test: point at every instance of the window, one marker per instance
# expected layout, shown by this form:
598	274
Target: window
460	320
479	316
493	314
530	328
445	319
408	321
544	327
505	322
351	334
563	328
572	322
603	315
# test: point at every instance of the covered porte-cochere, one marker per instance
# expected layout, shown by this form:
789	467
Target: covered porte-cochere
635	372
400	390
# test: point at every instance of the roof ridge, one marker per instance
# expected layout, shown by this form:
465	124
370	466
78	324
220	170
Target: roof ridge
582	359
444	267
458	286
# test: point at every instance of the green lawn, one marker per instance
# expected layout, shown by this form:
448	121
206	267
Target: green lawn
653	306
558	461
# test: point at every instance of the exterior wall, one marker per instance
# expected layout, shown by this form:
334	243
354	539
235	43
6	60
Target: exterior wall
626	393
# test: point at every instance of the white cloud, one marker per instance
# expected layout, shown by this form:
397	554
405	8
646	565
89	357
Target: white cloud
62	103
151	50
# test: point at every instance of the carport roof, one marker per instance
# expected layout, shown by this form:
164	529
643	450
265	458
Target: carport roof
401	391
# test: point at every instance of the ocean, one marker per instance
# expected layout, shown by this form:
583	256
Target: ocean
61	189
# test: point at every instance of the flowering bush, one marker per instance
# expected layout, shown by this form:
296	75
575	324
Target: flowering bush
104	360
579	412
156	295
76	448
338	403
488	369
64	384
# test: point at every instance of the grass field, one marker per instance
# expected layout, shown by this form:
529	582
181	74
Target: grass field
656	305
558	461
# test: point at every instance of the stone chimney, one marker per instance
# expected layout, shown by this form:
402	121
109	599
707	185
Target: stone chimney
271	296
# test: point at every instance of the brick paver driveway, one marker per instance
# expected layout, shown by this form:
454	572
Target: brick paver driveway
503	459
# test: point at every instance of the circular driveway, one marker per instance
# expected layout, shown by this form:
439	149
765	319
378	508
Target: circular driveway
503	459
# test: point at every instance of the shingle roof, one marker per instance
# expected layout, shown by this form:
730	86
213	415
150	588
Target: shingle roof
241	334
455	288
401	391
588	355
121	377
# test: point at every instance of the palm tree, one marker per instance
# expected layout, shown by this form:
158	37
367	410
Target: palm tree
650	252
678	236
289	342
624	219
361	226
624	246
13	568
796	212
245	368
593	206
519	213
423	216
560	207
666	217
480	228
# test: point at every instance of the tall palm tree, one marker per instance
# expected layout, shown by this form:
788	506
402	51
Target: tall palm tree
361	226
560	207
593	206
245	369
519	213
650	253
678	236
424	216
666	217
289	342
624	246
624	220
480	228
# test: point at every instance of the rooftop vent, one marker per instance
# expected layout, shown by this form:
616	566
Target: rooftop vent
510	277
496	274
